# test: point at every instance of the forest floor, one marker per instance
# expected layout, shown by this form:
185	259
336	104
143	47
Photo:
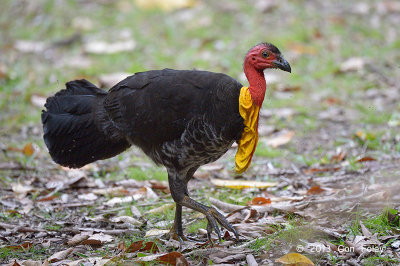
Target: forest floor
323	187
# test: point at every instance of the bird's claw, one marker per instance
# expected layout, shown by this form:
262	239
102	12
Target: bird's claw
179	236
213	216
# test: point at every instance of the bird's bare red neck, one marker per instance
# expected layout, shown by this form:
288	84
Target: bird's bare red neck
257	84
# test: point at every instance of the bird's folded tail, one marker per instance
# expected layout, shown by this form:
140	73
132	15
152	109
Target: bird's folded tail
75	126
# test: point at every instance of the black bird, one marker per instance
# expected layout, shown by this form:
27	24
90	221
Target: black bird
181	119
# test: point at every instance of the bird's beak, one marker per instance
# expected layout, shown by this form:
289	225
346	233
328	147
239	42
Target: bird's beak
282	64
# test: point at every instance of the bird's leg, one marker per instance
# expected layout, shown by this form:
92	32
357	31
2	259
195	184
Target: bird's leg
179	192
176	231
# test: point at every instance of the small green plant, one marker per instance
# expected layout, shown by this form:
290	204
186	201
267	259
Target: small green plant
34	253
368	139
54	227
353	164
194	227
381	260
385	223
260	244
263	150
148	174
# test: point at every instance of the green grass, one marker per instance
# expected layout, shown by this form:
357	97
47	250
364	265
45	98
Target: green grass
194	227
34	253
263	150
148	174
234	196
54	227
387	223
370	114
383	260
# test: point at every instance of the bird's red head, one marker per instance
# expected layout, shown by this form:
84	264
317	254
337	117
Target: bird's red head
265	55
258	58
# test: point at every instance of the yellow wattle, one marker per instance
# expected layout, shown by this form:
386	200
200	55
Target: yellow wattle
248	142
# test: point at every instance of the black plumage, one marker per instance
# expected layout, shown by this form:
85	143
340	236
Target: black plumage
181	119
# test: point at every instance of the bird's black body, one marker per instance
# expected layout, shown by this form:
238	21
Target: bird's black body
166	112
181	119
171	115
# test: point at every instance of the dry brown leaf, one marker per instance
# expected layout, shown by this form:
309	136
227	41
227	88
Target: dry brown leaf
332	101
173	258
98	261
224	206
165	5
28	150
24	246
320	170
226	258
241	184
377	197
15	263
31	263
252	230
251	261
260	201
161	209
156	232
77	239
98	240
291	88
148	192
159	185
122	246
126	219
339	157
135	211
280	139
61	255
140	246
315	190
252	215
49	198
3	71
295	259
366	159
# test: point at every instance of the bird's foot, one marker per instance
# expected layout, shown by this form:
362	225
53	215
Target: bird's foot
213	216
179	236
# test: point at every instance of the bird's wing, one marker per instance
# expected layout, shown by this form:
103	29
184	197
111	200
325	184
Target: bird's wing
156	105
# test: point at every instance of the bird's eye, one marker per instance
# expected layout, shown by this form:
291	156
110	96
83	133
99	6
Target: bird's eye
265	54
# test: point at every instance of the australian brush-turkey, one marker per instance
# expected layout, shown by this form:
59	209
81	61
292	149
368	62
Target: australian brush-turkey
181	119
